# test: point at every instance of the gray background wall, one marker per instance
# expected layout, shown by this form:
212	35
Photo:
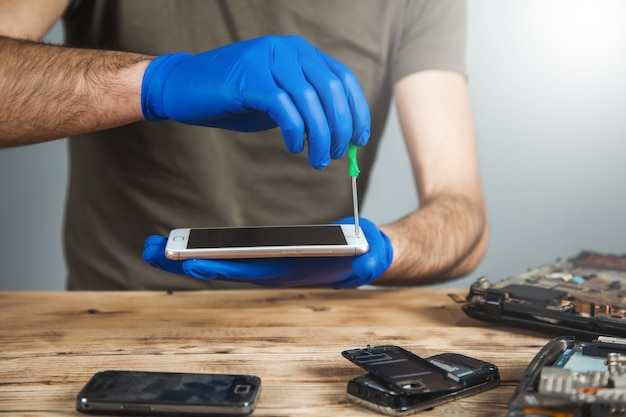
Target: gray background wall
548	88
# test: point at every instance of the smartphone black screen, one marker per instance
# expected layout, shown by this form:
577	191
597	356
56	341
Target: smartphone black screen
160	393
265	236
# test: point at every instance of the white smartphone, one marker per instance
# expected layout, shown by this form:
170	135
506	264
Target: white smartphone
266	242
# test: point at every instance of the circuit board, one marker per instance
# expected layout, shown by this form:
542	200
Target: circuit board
568	378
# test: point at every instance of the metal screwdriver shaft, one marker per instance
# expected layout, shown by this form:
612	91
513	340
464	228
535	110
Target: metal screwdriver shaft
355	203
353	172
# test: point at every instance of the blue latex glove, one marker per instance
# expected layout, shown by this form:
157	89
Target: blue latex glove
259	84
334	271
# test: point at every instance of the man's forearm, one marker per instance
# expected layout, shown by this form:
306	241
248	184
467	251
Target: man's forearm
50	92
445	239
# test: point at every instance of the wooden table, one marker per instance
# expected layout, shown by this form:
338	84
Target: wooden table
52	342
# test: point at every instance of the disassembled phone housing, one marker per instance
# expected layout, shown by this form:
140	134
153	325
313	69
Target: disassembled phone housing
401	383
583	296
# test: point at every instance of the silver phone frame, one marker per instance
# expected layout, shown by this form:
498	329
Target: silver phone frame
176	246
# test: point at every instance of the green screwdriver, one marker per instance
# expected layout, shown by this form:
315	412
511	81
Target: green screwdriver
353	172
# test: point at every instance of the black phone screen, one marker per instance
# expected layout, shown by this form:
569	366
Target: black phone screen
153	391
266	236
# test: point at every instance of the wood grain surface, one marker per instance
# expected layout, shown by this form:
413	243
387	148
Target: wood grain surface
52	342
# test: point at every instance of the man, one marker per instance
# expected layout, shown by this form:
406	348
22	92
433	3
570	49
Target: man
131	178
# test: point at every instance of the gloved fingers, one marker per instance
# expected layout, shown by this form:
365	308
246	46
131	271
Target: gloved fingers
272	272
312	113
368	267
237	270
260	83
365	269
288	71
269	98
359	109
352	281
333	98
154	254
155	240
379	257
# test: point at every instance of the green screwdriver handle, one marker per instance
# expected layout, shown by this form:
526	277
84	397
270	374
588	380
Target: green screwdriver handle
353	166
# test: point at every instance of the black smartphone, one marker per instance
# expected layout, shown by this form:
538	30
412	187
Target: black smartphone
471	376
168	393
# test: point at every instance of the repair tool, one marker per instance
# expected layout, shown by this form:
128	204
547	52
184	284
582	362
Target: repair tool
353	172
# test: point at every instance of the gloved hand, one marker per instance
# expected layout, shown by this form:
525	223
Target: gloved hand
259	84
334	271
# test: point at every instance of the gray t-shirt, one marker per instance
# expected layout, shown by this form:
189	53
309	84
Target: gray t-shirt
149	177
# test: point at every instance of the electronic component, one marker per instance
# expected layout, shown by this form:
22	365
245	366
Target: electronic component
583	296
577	379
